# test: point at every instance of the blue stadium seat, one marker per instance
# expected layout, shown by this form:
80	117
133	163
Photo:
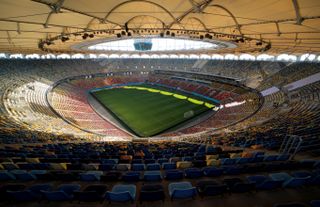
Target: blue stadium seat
23	175
228	161
193	173
24	195
6	176
131	176
181	190
152	176
152	192
57	195
138	167
168	166
211	188
173	174
212	171
91	176
91	193
153	166
121	193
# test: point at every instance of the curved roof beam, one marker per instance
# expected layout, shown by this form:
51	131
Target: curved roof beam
231	15
38	23
72	10
201	22
135	17
89	23
92	20
271	21
199	8
130	1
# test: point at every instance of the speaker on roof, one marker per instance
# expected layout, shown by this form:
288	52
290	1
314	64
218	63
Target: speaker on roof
126	27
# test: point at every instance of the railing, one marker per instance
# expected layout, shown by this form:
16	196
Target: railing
290	145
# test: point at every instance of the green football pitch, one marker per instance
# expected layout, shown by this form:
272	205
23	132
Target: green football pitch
148	110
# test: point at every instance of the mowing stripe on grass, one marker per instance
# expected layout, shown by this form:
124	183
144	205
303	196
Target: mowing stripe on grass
148	113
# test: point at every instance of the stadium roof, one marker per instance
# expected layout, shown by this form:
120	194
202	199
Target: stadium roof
273	26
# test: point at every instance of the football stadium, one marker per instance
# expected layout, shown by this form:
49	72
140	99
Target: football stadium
178	103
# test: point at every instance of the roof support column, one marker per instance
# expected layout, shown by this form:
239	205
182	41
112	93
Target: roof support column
297	10
18	28
278	28
55	8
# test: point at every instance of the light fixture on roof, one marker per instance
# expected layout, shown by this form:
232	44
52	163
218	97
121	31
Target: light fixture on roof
268	46
208	36
84	36
64	38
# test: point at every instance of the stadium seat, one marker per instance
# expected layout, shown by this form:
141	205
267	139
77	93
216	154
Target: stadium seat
283	177
131	176
212	171
183	164
270	158
123	167
211	188
121	193
162	160
37	188
228	161
23	175
91	193
64	192
57	195
283	157
6	176
295	182
151	192
168	166
106	166
24	195
138	167
153	166
152	176
91	176
213	162
193	173
173	174
181	190
111	176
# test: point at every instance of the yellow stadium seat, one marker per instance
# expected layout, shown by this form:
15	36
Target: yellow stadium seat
90	166
235	155
209	157
247	154
213	162
32	160
58	166
184	164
